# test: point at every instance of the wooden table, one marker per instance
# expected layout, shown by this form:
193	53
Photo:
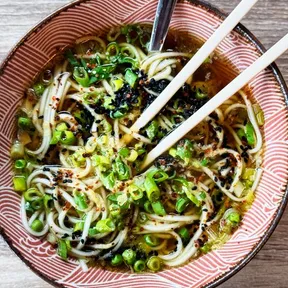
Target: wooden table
268	21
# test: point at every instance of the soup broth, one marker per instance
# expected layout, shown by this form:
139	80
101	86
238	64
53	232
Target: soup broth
77	162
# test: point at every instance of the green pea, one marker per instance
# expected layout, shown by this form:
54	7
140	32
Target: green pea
39	89
37	225
154	263
151	240
117	260
129	256
139	266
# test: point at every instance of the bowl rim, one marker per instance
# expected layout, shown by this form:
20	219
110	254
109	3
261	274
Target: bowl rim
244	32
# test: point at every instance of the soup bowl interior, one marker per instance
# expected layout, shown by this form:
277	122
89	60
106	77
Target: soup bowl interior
236	52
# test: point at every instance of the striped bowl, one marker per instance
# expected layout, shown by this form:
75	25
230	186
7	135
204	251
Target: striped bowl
238	50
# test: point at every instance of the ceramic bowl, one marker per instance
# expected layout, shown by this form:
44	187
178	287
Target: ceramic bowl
237	51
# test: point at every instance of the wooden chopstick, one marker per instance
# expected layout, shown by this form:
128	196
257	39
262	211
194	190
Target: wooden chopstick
261	63
210	45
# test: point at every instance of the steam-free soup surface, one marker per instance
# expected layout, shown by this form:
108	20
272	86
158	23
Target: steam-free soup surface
77	163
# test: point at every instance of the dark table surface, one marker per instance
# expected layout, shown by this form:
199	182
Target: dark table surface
268	20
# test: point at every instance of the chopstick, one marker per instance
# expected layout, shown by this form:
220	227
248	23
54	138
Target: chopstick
203	53
261	63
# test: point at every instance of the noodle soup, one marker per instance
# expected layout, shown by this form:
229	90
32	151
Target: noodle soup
77	163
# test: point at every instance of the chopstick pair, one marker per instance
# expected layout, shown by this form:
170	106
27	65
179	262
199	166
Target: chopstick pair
210	45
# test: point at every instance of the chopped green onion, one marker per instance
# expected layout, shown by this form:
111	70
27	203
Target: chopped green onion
139	266
204	162
80	200
17	150
112	50
20	164
131	77
249	131
81	76
19	183
37	225
117	114
67	138
117	84
128	60
133	156
101	72
39	89
241	134
234	217
142	218
79	226
62	250
152	129
202	195
100	160
71	58
200	94
121	169
105	225
37	204
132	33
248	174
151	240
182	204
92	232
56	137
152	190
260	118
124	151
184	234
141	151
230	220
158	175
129	256
184	150
62	127
148	207
114	209
154	263
173	152
32	194
135	192
206	248
158	208
117	260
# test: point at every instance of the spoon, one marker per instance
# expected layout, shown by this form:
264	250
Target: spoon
163	16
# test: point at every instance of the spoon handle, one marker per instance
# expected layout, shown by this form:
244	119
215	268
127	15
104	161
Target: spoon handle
163	16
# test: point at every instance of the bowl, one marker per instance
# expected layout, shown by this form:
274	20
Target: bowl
239	49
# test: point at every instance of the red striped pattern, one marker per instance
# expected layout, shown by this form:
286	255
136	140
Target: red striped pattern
235	51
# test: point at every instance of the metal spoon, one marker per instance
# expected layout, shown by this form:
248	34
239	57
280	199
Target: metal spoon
163	16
